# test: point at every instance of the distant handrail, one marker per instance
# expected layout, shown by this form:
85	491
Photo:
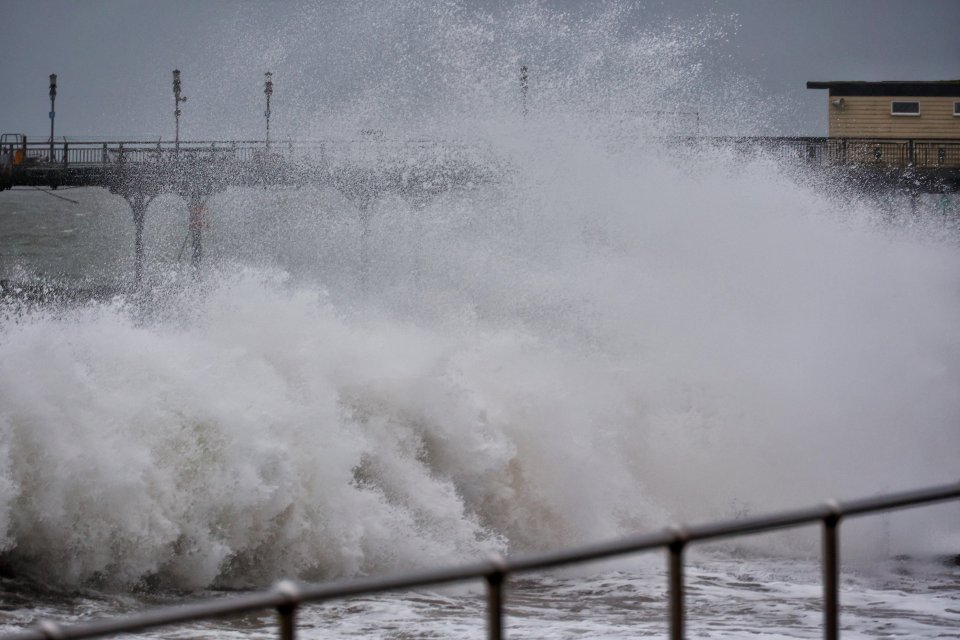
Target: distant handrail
287	596
875	152
39	143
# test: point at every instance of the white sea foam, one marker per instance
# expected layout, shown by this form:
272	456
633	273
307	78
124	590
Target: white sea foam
616	335
692	352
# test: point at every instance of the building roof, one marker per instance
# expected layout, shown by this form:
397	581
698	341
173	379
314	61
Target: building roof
894	88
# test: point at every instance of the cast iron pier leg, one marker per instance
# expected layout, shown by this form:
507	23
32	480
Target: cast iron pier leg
139	206
139	198
364	244
198	221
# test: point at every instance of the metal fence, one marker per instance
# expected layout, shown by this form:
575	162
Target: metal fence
893	153
287	596
85	153
817	151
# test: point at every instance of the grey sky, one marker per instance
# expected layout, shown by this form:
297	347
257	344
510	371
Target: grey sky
114	58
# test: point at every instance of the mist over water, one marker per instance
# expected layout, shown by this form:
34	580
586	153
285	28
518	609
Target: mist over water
618	334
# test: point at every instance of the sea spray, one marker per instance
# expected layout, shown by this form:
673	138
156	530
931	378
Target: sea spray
624	330
258	427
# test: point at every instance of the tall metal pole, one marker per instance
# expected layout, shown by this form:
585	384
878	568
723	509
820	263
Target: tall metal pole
53	111
177	99
268	91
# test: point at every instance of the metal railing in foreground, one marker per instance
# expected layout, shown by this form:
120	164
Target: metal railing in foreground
287	596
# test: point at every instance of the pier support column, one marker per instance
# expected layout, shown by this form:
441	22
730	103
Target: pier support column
196	179
198	222
418	206
139	197
364	206
139	207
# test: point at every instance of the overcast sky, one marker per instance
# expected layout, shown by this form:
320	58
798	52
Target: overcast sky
114	58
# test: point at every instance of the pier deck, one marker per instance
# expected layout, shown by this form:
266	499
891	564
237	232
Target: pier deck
370	168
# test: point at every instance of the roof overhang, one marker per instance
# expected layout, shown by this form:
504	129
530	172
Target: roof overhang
941	88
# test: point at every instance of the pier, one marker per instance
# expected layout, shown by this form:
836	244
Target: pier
138	171
371	167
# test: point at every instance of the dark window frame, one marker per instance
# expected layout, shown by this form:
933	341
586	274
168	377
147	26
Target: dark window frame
904	104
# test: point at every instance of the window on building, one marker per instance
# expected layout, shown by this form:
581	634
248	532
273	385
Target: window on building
956	108
904	108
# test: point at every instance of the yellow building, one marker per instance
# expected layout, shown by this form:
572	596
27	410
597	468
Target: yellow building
914	110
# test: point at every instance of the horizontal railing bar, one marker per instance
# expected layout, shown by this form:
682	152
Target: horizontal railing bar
299	594
934	159
317	593
280	144
164	616
592	552
906	499
259	601
274	144
760	524
744	526
847	509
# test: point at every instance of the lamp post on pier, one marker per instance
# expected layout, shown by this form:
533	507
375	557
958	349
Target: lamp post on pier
177	99
268	91
53	111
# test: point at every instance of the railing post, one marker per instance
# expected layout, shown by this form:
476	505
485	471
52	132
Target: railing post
287	612
495	579
675	566
831	573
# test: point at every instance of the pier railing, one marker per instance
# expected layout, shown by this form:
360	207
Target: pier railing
893	153
920	153
93	153
288	596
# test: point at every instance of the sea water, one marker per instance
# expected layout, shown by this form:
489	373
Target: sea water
620	332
